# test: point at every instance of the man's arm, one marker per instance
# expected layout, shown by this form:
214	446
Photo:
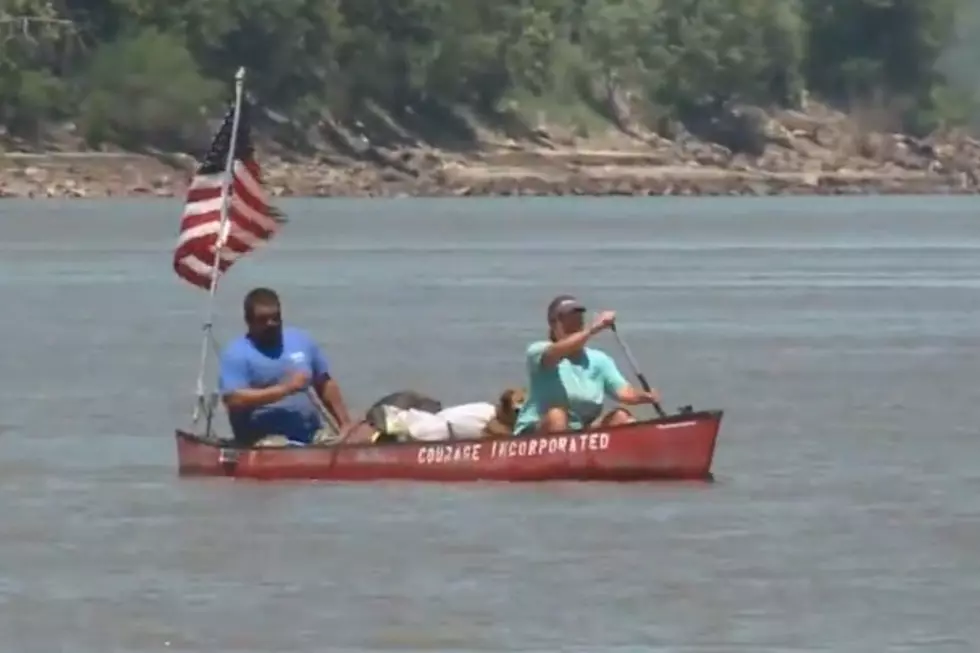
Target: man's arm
617	386
566	347
575	343
236	390
631	396
334	401
327	387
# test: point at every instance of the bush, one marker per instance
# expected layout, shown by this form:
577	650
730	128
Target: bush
146	90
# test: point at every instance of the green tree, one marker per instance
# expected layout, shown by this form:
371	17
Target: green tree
859	48
146	90
141	72
35	43
719	51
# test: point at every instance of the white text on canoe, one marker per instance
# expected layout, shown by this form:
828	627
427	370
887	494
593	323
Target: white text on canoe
519	447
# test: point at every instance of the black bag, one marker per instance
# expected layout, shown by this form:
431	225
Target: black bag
404	399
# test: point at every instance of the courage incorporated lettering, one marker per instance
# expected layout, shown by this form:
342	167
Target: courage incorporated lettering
522	447
450	453
519	447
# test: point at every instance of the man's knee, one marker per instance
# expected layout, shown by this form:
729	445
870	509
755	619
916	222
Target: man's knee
618	416
272	441
554	420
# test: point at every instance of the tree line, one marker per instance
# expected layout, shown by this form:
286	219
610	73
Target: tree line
143	73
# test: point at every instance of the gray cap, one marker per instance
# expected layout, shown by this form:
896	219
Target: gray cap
563	305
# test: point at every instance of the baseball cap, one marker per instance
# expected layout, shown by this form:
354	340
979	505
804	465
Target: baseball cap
563	305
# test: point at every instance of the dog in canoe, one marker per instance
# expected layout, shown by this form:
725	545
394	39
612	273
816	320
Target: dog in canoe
505	416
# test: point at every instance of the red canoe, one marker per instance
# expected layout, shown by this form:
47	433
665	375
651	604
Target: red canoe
677	447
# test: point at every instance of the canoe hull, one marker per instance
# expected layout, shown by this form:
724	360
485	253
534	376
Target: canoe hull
678	447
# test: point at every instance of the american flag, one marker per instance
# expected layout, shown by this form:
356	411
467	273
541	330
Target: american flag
251	220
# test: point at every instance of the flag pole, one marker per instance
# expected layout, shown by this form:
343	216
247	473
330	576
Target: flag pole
207	405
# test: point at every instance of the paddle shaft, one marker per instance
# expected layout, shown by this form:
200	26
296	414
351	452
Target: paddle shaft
636	369
322	409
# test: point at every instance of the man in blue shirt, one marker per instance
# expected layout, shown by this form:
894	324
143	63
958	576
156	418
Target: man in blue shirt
266	376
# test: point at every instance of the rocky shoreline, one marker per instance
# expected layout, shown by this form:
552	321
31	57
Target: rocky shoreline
814	153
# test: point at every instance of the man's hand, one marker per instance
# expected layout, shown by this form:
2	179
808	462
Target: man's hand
603	321
249	398
653	396
296	381
344	430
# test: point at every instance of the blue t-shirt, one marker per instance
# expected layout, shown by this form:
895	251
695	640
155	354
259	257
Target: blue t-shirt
243	365
580	385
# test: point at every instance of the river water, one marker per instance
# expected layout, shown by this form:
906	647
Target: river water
841	336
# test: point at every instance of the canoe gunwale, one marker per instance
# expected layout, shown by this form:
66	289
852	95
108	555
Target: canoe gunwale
228	444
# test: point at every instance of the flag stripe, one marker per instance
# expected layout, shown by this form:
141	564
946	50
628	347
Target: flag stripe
251	220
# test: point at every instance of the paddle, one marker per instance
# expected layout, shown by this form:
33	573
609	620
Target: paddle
335	437
636	368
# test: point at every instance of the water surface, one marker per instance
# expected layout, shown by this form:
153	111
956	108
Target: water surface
839	334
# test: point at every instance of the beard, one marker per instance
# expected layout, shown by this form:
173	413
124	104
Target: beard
268	337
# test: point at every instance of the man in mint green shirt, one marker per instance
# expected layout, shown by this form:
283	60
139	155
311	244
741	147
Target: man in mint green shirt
569	382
